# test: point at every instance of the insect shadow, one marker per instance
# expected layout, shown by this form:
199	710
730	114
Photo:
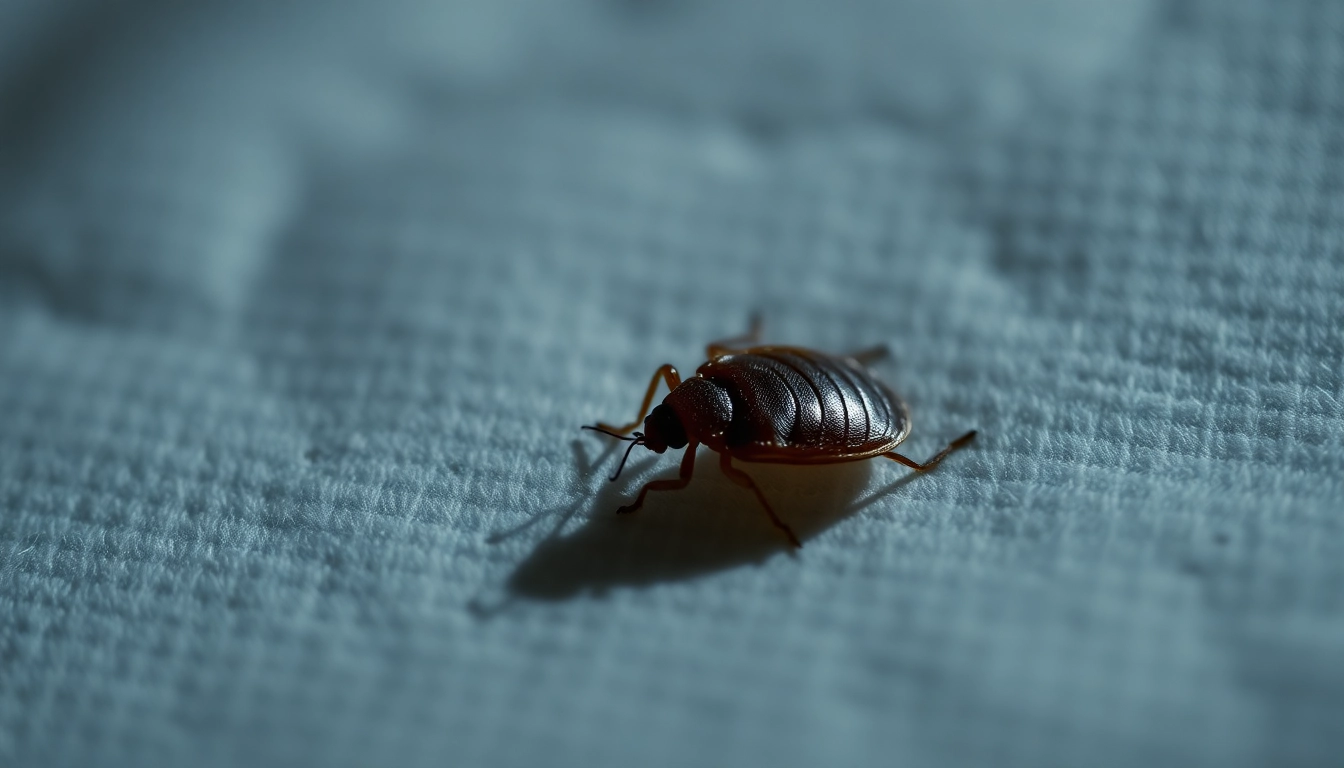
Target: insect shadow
711	525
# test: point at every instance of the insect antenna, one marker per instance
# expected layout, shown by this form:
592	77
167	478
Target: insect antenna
638	440
608	432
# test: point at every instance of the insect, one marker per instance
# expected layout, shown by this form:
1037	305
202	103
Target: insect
785	405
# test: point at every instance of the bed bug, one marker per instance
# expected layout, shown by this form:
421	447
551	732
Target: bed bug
777	404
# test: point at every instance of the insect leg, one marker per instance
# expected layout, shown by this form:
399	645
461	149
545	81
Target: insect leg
744	480
666	373
871	354
683	480
931	463
727	346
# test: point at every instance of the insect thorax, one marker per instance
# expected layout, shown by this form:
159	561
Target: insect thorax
704	408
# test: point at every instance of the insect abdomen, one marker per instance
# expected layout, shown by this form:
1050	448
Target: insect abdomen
791	403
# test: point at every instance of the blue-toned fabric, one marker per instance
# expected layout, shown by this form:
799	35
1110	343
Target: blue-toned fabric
301	308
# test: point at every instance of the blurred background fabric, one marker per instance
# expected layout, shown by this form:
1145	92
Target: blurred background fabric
302	305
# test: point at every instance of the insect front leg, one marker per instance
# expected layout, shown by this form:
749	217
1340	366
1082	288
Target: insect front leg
666	373
683	480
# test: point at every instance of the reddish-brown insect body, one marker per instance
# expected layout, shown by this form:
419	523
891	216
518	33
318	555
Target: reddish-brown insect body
786	405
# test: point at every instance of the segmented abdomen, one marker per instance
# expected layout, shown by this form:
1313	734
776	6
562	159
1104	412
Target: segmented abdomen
790	403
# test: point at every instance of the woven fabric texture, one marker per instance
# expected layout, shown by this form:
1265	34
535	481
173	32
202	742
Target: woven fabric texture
301	308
